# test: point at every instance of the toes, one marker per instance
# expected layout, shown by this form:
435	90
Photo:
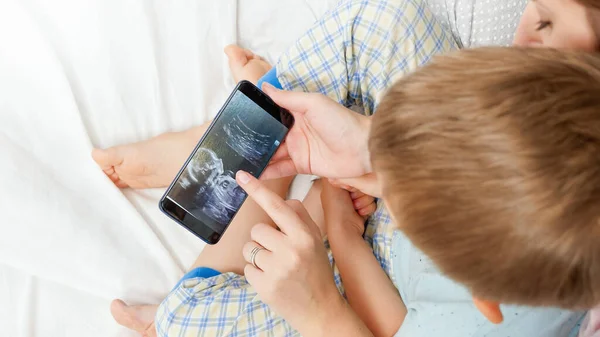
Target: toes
123	315
237	53
107	158
250	55
238	57
151	331
120	183
112	174
139	317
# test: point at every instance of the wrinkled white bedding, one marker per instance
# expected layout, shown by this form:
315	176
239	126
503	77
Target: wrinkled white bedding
76	74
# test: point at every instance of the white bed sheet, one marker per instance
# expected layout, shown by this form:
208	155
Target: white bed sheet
76	74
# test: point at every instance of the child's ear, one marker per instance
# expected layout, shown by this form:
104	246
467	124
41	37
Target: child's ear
491	310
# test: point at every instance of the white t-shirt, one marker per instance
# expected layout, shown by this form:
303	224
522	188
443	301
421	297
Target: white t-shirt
476	23
438	306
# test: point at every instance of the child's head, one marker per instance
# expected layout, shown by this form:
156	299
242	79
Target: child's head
566	24
490	163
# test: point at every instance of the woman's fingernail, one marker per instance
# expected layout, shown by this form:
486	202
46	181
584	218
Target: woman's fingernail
243	177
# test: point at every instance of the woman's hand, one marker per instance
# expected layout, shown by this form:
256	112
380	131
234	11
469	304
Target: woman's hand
290	269
327	139
367	183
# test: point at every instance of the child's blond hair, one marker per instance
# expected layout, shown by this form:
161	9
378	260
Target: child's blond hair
490	162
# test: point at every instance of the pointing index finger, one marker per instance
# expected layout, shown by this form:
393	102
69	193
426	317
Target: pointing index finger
281	213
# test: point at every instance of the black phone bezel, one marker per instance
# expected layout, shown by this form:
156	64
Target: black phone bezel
182	216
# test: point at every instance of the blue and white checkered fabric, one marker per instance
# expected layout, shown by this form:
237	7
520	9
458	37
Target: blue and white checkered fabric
361	47
353	54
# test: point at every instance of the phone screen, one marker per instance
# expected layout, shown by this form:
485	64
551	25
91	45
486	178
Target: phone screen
244	136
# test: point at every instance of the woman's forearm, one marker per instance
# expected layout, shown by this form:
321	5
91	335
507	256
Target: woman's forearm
336	320
369	290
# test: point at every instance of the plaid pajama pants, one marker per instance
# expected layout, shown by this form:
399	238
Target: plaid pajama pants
353	54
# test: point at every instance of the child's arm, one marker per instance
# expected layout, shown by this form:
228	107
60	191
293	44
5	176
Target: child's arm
370	292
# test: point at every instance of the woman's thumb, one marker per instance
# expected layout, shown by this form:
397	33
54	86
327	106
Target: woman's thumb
367	184
296	102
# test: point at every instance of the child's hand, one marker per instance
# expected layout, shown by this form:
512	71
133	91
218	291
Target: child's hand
364	204
340	210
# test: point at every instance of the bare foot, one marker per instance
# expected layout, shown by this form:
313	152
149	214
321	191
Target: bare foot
148	164
135	317
154	163
245	65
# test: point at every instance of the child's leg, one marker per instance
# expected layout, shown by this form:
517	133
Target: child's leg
352	54
226	256
155	162
223	257
360	48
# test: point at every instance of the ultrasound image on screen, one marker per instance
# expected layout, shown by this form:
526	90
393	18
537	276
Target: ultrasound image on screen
246	142
242	138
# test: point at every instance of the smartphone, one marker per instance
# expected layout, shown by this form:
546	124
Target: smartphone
205	197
